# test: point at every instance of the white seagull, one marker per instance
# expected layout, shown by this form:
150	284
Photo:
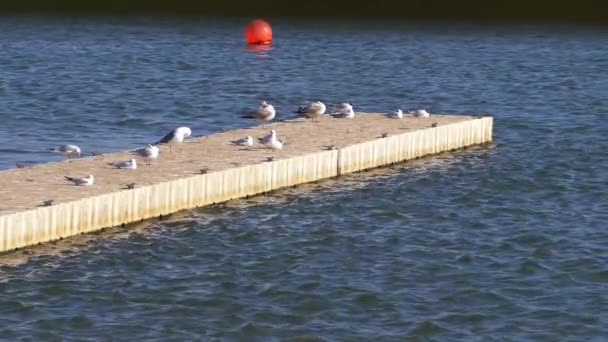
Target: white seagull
345	110
264	112
69	151
398	114
421	113
175	137
313	110
127	164
149	152
246	141
271	141
267	138
85	181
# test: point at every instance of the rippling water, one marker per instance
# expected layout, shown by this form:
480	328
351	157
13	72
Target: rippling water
506	242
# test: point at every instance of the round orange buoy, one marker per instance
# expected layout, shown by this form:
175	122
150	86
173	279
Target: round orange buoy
258	32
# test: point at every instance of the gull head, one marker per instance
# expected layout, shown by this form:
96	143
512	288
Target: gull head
77	150
184	131
346	105
263	104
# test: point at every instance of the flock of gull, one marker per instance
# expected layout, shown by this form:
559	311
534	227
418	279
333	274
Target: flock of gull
265	112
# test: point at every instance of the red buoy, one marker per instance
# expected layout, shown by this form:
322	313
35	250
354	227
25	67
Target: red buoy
258	32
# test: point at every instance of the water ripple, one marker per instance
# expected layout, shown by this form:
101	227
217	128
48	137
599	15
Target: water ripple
502	242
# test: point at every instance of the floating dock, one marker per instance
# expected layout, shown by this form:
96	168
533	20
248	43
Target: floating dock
312	151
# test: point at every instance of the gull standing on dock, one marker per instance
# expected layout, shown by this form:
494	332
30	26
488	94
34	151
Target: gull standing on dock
398	114
246	141
127	164
149	152
344	110
69	151
84	181
265	112
421	113
313	110
175	137
271	141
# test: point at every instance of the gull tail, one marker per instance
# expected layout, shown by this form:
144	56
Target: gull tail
166	138
249	114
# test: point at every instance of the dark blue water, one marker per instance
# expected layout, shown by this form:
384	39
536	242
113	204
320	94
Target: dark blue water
506	242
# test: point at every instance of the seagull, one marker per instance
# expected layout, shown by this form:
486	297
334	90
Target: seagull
175	137
398	114
246	141
313	110
267	138
264	112
345	110
68	150
276	145
421	113
148	152
127	164
88	180
271	141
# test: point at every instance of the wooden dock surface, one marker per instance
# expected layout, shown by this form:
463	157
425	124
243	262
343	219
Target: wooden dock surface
24	190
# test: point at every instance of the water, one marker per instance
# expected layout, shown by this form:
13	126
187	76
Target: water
506	242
